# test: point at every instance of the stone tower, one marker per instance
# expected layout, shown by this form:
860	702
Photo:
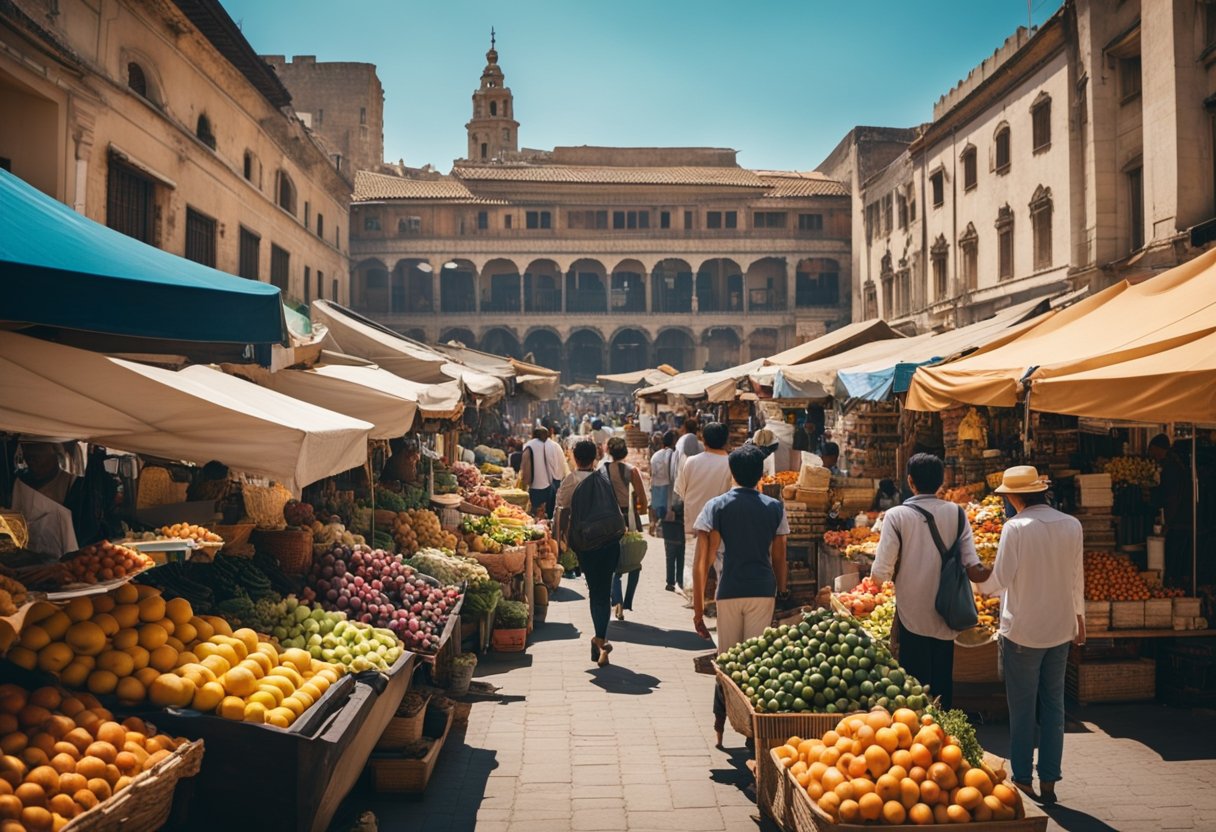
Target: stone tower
493	132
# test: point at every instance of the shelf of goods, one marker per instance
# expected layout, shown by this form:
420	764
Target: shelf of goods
408	770
874	439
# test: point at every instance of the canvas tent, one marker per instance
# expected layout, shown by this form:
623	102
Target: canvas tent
196	414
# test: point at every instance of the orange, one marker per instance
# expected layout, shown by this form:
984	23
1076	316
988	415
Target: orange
845	790
858	767
897	772
1005	794
893	813
814	789
887	787
831	779
951	755
969	797
830	803
902	757
958	814
918	774
908	717
878	718
930	792
830	738
861	786
870	806
816	770
943	775
877	760
909	792
921	756
940	815
849	811
846	760
977	779
920	814
865	735
887	738
830	756
904	733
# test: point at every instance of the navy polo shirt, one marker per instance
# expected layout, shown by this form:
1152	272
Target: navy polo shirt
748	521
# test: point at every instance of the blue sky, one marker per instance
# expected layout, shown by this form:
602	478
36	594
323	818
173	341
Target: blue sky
782	82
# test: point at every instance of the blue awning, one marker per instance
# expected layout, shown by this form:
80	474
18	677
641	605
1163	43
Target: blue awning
61	269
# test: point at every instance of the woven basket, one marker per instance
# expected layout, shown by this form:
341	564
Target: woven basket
148	801
705	663
265	505
292	548
551	576
234	536
505	565
14	533
402	730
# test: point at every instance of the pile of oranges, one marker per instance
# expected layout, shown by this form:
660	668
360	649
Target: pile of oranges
886	768
1112	578
105	561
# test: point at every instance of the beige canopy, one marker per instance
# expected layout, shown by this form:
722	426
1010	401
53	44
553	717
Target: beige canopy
196	414
1119	324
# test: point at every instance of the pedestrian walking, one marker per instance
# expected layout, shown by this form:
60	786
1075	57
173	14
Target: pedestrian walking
662	477
750	529
700	479
626	483
589	520
1040	569
909	554
688	446
542	467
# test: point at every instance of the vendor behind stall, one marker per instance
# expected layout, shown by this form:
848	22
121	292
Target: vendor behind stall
42	491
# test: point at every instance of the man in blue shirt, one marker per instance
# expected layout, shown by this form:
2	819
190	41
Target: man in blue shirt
751	530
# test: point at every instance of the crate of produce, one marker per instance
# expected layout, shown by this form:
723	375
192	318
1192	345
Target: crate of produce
402	772
1187	607
406	725
1097	616
148	801
1130	680
1159	614
978	664
1127	615
291	548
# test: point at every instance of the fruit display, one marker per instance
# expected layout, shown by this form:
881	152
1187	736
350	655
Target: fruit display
863	598
330	636
419	528
826	664
511	515
491	534
1133	470
189	531
887	768
378	588
444	481
414	496
1110	577
327	534
989	609
449	569
881	620
987	518
106	561
65	754
490	469
782	478
961	495
228	586
467	475
299	514
484	496
12	595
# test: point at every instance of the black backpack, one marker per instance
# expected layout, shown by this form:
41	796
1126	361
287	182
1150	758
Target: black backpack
955	601
595	518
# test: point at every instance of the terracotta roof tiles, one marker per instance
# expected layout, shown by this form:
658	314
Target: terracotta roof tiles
789	185
371	186
611	175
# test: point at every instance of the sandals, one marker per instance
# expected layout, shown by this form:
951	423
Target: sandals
600	651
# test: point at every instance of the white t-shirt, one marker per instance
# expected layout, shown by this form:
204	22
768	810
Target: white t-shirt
702	478
548	463
662	467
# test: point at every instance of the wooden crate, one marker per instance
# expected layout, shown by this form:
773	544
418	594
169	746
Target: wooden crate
391	774
1097	616
148	801
1127	615
1186	607
1133	680
1158	614
977	664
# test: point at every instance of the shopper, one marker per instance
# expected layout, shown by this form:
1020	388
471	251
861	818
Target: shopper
543	467
831	457
662	476
702	478
1040	568
886	497
597	565
908	554
599	435
750	529
687	446
626	482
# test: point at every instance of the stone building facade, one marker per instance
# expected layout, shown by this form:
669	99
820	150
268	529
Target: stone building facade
158	119
594	259
1042	171
343	103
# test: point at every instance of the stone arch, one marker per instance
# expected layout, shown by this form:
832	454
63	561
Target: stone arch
629	286
501	340
499	286
142	76
457	286
817	282
766	284
369	286
460	334
584	355
543	286
412	287
723	345
415	333
544	346
719	286
761	343
672	282
628	350
587	286
675	346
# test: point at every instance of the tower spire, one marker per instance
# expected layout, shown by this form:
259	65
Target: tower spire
491	37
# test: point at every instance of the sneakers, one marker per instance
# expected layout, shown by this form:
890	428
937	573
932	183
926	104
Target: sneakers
670	587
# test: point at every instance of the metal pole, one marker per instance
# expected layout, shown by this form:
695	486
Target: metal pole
1194	511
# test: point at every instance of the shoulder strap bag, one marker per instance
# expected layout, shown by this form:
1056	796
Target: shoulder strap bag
955	601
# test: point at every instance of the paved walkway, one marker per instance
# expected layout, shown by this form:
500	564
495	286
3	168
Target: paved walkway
631	746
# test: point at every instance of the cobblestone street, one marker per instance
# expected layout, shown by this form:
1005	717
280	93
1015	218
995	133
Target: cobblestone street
631	746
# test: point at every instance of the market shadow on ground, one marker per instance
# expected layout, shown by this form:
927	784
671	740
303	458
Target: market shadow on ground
1075	821
554	631
650	636
565	593
1172	733
498	663
737	774
616	679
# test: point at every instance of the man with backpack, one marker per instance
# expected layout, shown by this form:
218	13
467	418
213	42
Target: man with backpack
589	520
928	549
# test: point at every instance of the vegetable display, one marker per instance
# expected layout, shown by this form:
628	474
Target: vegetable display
188	531
1133	470
467	475
511	615
418	529
484	496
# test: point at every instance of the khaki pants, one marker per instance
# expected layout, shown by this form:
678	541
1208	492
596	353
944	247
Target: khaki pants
742	618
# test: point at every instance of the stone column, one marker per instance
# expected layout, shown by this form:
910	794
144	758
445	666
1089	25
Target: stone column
648	291
437	284
477	290
791	286
563	280
521	293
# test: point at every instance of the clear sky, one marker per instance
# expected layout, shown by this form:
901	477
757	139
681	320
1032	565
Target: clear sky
781	82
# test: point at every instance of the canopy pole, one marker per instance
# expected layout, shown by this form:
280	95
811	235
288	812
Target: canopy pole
1194	510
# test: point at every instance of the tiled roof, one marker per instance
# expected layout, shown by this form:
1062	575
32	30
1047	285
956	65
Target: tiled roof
612	175
371	186
785	185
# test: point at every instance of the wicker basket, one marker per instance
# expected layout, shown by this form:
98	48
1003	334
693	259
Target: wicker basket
402	730
505	565
705	663
292	548
1132	680
392	774
551	577
148	801
234	536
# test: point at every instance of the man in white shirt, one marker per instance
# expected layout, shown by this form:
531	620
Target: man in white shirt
926	641
543	466
687	446
703	477
1040	570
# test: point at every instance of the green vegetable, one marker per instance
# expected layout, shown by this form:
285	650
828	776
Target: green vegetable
956	724
511	615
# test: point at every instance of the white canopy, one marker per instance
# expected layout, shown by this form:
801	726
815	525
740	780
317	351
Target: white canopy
197	414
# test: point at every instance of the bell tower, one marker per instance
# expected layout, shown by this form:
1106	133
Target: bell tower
492	131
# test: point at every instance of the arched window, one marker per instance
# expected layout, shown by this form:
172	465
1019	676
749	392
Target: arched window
1001	152
287	193
1004	242
1040	224
485	150
493	108
137	81
204	132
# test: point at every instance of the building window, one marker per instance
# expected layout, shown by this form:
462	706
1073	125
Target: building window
1135	201
280	268
137	81
713	219
817	283
485	150
287	193
911	204
587	220
901	209
131	202
689	222
938	253
938	183
968	244
538	219
320	285
409	225
333	290
493	108
730	219
250	165
506	221
664	219
249	255
618	220
1040	117
483	220
1004	242
1040	224
970	176
200	238
363	115
307	284
321	225
810	222
204	132
371	222
768	219
1001	140
888	213
870	301
1129	78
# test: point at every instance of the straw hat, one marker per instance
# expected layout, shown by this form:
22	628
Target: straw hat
1021	479
764	438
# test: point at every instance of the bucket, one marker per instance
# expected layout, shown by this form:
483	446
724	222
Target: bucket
460	678
1156	553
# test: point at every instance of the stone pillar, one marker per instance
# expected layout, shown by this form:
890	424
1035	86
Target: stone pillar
648	291
521	295
563	279
437	283
477	290
791	285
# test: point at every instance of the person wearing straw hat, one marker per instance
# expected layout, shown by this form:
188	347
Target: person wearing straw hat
766	440
1039	570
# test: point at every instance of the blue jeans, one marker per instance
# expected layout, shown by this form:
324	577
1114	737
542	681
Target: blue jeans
632	582
1034	677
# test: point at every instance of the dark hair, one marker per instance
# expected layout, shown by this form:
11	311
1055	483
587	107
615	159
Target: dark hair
715	435
596	424
746	464
669	439
1160	441
886	486
690	425
565	432
584	452
215	470
1034	498
927	473
617	447
830	449
541	433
